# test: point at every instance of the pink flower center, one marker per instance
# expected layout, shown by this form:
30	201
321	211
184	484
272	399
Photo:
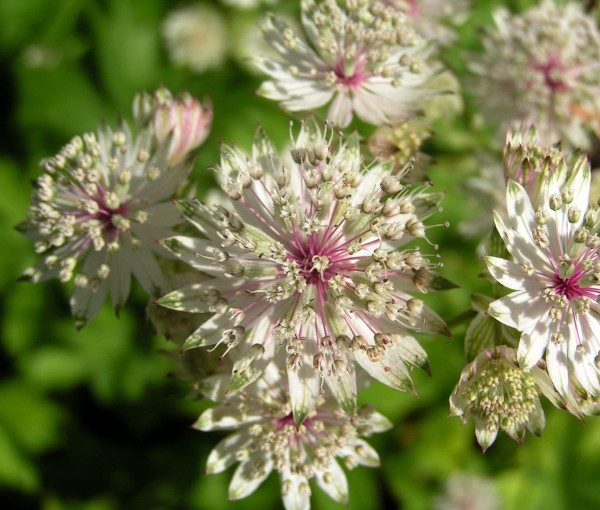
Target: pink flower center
551	71
413	8
354	80
569	287
309	253
289	420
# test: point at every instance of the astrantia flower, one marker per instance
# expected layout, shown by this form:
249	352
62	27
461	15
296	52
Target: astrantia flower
247	4
498	394
267	439
527	160
467	491
196	37
363	55
100	207
307	266
544	64
433	18
554	273
400	144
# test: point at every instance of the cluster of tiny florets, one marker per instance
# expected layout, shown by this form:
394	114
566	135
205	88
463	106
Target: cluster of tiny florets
307	262
103	203
498	394
364	55
543	63
268	439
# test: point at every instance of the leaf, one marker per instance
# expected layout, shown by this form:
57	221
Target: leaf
32	421
483	331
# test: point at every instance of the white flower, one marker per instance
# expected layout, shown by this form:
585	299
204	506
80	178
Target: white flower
554	273
307	267
196	37
498	394
543	67
466	491
526	160
266	439
247	4
98	211
433	18
362	55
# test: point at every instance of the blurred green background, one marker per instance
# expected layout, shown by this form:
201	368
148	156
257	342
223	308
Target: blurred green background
92	420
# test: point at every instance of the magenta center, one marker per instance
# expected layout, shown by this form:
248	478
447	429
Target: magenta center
304	253
353	80
289	420
551	71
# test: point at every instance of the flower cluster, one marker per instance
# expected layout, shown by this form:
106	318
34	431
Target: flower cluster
104	201
363	57
307	264
554	274
196	37
299	283
498	394
544	64
268	439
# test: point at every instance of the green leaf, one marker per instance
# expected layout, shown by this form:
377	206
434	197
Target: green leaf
16	470
484	331
32	421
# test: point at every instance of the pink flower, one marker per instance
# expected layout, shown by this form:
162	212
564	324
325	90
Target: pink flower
186	120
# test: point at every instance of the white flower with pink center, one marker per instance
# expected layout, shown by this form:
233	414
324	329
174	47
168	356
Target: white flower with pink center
555	274
266	439
545	64
308	268
102	205
362	57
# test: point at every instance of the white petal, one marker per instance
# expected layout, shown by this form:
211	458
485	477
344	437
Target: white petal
506	273
198	253
558	366
295	491
223	417
332	480
376	422
249	475
533	342
518	310
363	453
304	383
342	383
340	110
385	364
224	454
163	215
485	436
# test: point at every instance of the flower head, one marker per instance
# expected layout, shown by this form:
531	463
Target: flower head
498	394
528	161
247	4
554	275
196	37
467	491
432	18
308	266
267	439
98	211
363	55
545	63
400	144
